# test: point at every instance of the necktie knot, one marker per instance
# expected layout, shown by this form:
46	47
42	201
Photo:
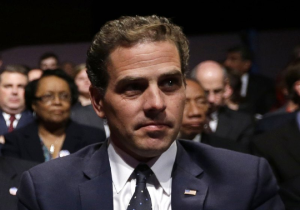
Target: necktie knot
142	172
141	199
12	117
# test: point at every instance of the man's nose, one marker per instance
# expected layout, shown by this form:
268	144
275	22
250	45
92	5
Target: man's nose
211	97
193	109
154	99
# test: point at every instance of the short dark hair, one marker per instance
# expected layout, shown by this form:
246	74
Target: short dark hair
245	52
31	87
48	55
128	31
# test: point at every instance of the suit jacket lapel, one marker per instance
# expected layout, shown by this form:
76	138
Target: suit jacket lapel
30	143
97	193
293	139
223	126
26	118
186	176
3	126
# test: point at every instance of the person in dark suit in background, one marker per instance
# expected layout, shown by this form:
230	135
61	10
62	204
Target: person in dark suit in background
83	111
11	170
280	144
136	65
53	134
224	122
13	112
278	117
258	90
194	123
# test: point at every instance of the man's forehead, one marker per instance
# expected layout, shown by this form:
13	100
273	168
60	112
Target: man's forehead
4	78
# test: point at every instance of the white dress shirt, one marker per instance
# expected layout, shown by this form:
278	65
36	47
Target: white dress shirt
7	116
244	79
159	186
213	123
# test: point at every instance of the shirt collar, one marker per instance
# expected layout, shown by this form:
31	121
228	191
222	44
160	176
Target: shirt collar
122	163
7	116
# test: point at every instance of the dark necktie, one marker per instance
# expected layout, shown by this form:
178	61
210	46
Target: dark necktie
141	198
11	119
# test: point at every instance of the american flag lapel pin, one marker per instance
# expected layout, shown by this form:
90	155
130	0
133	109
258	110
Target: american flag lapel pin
190	192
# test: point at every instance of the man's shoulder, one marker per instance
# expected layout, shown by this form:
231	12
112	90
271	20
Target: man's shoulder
236	114
261	79
201	152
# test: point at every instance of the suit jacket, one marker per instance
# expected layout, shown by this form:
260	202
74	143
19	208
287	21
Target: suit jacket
11	170
281	147
234	125
260	94
25	143
217	141
26	118
223	179
271	122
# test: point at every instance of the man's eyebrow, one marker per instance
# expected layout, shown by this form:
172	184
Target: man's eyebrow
131	78
172	73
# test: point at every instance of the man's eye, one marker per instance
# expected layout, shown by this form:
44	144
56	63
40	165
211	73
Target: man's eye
170	84
133	89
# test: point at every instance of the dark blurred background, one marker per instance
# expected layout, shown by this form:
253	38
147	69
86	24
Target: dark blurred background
35	22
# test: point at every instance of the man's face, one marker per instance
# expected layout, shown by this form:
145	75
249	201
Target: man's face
144	100
49	63
12	86
214	87
195	109
236	63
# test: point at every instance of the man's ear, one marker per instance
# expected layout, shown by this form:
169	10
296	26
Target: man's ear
97	101
297	87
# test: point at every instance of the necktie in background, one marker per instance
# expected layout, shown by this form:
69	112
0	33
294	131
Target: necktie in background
11	119
141	198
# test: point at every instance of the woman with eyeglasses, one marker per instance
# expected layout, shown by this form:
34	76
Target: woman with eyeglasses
53	134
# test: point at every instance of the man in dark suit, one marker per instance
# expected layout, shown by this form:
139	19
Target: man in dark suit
13	113
258	90
11	170
280	144
226	123
136	66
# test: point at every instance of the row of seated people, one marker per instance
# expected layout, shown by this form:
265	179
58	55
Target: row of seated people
217	125
37	124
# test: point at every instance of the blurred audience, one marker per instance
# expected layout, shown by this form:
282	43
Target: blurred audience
280	145
224	122
53	134
278	117
258	90
48	60
68	67
83	111
34	74
194	123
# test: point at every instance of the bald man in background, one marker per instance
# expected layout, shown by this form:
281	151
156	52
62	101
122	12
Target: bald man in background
224	122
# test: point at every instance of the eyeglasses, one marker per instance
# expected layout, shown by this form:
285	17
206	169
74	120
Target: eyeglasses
50	97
